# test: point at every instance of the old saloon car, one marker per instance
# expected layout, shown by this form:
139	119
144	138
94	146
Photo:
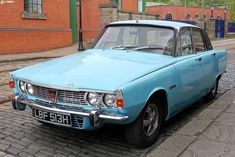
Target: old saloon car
139	74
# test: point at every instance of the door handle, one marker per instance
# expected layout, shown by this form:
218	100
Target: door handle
198	59
213	54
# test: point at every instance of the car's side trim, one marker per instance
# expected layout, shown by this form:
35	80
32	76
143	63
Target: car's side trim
172	86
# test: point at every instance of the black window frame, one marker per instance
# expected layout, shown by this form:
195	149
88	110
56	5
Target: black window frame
207	40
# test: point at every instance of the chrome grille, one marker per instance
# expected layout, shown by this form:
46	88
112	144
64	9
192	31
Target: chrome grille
41	92
63	96
71	97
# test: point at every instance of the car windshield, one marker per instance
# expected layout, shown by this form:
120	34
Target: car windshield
149	39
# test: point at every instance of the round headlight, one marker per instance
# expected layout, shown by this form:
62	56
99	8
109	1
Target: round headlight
109	100
22	86
93	98
29	88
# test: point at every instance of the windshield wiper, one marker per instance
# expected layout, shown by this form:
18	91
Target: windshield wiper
124	47
148	47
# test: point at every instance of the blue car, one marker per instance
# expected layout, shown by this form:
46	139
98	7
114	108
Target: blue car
138	74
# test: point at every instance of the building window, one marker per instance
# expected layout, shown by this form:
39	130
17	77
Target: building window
118	3
33	10
140	5
33	6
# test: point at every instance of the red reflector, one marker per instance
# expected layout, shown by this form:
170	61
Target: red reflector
120	103
11	84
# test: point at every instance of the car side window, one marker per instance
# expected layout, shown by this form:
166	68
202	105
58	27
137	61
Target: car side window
184	43
199	44
207	41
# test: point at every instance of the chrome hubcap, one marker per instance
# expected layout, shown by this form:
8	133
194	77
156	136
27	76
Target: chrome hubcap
150	122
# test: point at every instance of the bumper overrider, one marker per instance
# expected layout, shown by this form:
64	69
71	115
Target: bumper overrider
94	116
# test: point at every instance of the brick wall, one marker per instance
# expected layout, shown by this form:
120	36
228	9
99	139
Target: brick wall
18	35
130	5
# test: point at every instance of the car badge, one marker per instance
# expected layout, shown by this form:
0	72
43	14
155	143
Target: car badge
52	96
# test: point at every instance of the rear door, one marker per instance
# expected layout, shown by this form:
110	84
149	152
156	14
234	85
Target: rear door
206	57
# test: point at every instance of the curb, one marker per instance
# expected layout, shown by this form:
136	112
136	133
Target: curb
175	145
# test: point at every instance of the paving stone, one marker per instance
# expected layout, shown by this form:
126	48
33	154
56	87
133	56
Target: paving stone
40	154
10	139
208	148
209	114
2	154
220	133
18	135
13	150
226	119
177	143
29	150
26	154
9	155
162	153
19	146
195	127
5	142
231	109
35	146
47	151
3	147
58	155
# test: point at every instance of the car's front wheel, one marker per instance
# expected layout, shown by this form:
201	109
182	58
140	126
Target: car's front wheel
146	129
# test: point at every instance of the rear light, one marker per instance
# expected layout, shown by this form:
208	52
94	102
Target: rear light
11	84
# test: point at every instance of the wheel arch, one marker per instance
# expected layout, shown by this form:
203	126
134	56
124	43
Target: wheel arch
160	93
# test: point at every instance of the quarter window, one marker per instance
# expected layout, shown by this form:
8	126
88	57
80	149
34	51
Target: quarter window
199	45
184	43
33	6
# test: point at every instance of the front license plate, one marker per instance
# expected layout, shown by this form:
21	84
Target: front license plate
56	118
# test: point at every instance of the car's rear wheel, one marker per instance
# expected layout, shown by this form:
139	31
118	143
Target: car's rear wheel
213	92
146	129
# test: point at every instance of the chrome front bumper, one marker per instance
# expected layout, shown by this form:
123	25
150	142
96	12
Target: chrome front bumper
90	114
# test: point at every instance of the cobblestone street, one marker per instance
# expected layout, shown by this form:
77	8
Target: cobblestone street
20	135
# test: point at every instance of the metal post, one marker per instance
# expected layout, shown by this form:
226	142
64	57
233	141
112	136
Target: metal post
185	7
212	12
80	44
225	12
202	10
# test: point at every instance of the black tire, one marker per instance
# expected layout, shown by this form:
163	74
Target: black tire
136	133
213	92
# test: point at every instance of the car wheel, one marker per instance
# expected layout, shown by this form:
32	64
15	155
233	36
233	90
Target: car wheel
213	92
146	129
